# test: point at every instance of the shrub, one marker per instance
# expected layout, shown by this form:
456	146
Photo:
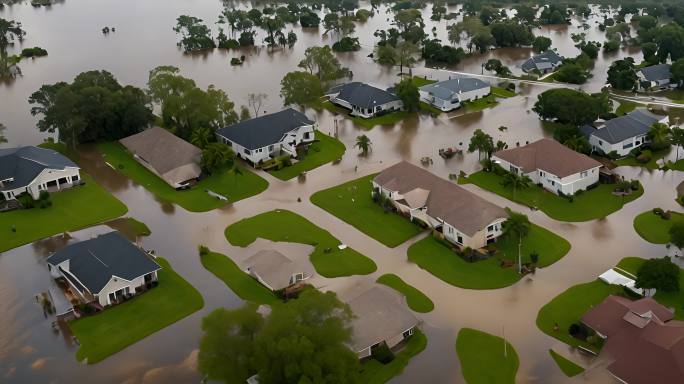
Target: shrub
33	52
347	44
235	61
534	257
658	211
635	185
383	354
203	250
26	201
230	44
645	156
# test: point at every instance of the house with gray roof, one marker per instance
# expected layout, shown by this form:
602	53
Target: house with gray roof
268	136
33	170
622	134
543	63
464	218
104	269
380	317
364	100
173	159
274	270
450	94
655	77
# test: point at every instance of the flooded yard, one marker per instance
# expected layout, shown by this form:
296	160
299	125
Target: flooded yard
30	351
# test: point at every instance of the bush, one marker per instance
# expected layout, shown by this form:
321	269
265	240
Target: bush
347	44
26	201
33	52
645	156
235	61
634	185
383	354
658	211
203	250
229	44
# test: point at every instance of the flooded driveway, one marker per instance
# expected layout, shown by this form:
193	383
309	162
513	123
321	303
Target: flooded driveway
30	351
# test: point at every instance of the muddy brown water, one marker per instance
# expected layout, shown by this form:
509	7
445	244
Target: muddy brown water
30	352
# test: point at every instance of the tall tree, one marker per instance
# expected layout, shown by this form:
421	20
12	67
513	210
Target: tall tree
255	100
363	143
195	35
661	274
482	143
201	137
9	32
659	134
677	138
407	91
300	88
517	225
516	182
321	61
216	156
677	70
541	44
676	233
622	75
572	107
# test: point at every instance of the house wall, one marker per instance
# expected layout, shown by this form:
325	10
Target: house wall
622	148
117	283
480	239
71	174
367	113
456	100
256	156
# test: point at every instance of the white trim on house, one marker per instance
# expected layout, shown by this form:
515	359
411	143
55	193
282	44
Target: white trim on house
287	145
46	179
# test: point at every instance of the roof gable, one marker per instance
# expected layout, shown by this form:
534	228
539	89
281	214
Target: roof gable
656	72
363	95
24	164
635	123
265	130
163	150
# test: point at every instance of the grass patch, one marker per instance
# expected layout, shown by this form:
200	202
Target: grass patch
593	204
631	161
569	368
482	358
677	166
386	119
488	101
114	329
421	81
352	203
438	259
502	92
130	227
669	299
374	372
415	299
234	185
282	225
625	107
427	108
242	284
655	229
72	209
324	150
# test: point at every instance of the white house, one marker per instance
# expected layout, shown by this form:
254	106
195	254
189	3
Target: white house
274	270
543	63
269	136
655	77
552	165
380	317
450	94
364	100
622	134
33	170
104	269
464	218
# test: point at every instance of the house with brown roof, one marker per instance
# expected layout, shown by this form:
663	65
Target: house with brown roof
642	341
464	218
552	165
173	159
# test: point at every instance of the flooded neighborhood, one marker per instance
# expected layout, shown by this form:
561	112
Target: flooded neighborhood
235	197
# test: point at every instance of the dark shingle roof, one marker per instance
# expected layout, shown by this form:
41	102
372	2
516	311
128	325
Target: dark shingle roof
95	261
635	123
363	95
25	163
542	61
264	130
657	72
446	89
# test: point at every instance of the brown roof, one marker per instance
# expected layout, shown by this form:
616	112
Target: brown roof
646	344
173	158
548	155
447	201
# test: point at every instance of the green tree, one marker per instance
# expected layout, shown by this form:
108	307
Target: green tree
321	61
649	51
517	225
363	143
511	34
541	44
244	113
516	182
301	88
525	13
568	106
216	156
677	234
407	91
670	40
482	143
9	32
677	138
407	52
571	73
195	36
201	137
622	75
496	66
273	25
661	274
659	134
677	70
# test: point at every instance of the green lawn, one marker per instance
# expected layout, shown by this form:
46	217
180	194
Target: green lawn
114	329
625	107
631	161
374	372
415	299
593	204
438	259
421	81
654	228
483	360
569	368
352	203
286	226
323	151
246	287
72	209
130	227
387	119
669	299
502	92
234	185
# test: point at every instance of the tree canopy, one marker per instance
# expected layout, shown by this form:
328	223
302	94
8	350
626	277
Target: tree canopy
300	88
661	274
94	107
407	91
196	36
321	61
572	107
621	74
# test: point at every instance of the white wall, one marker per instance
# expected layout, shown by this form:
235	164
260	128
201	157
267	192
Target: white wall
266	153
39	184
455	102
117	283
365	112
622	148
479	239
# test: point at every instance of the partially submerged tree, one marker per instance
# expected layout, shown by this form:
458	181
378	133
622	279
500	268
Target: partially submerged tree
407	91
321	61
363	143
301	88
196	36
255	100
482	143
572	107
661	274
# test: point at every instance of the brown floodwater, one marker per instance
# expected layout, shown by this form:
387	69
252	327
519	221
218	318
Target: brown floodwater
31	352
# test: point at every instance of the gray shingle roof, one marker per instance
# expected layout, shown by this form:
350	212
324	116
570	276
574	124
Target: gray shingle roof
264	130
95	261
273	267
25	163
657	72
446	89
363	95
635	123
542	61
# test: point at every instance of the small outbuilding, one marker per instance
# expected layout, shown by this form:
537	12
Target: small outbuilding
173	159
274	270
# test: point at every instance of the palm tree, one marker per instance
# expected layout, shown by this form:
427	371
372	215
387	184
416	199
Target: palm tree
217	155
517	225
516	181
481	142
201	137
577	143
364	144
659	135
677	137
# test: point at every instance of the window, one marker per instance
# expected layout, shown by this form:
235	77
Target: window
247	152
584	174
270	147
307	135
74	178
459	239
553	182
490	228
541	174
513	169
600	143
628	145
